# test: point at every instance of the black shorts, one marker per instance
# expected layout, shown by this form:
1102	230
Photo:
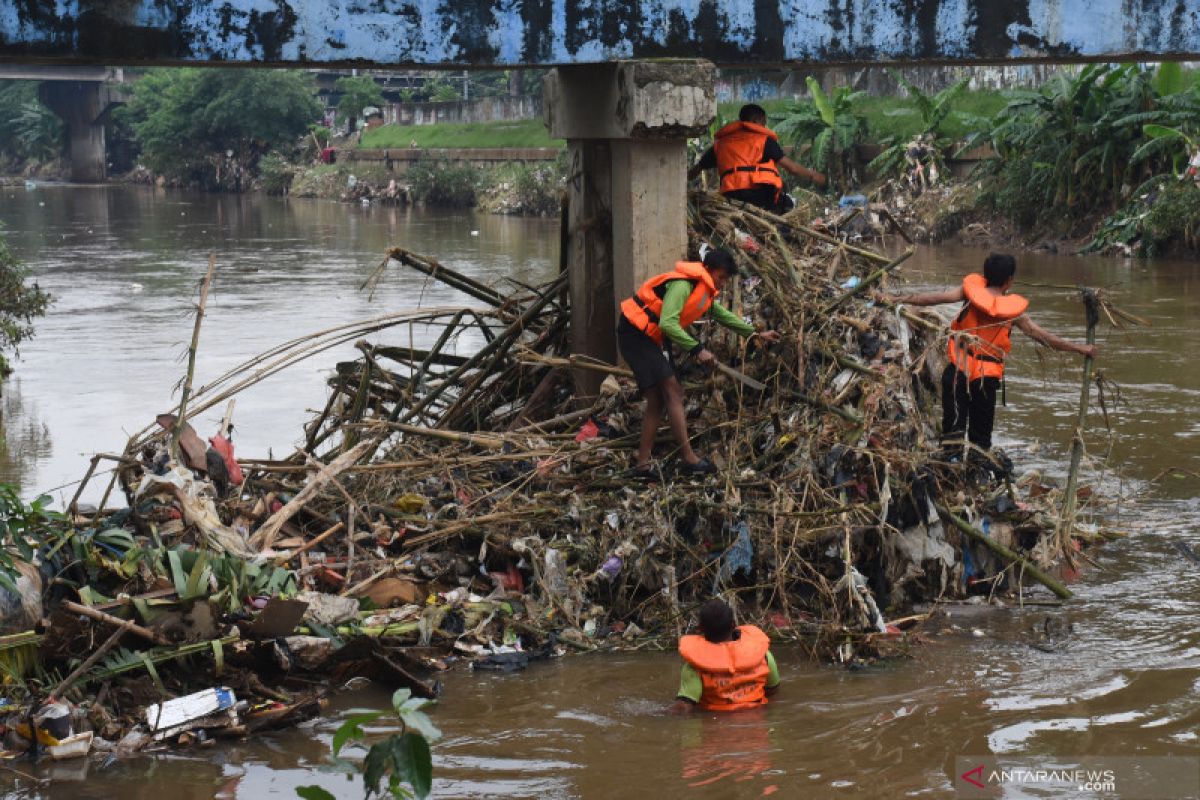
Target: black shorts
650	365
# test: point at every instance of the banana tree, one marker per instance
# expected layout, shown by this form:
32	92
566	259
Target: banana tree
934	109
831	128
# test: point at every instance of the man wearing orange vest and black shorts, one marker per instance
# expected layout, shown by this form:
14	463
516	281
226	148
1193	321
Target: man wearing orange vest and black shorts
747	156
657	314
725	668
979	345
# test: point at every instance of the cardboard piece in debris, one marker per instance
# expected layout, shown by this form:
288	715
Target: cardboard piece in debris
211	708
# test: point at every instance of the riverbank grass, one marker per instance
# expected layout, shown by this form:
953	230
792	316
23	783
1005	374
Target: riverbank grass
479	135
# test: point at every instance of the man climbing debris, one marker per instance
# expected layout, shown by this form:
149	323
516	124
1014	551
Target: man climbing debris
747	156
979	344
659	311
725	668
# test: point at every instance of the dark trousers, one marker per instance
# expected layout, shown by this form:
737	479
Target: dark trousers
968	406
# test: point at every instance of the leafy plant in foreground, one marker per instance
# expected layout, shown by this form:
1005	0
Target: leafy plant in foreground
400	765
23	527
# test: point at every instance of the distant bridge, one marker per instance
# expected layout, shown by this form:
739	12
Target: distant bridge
82	97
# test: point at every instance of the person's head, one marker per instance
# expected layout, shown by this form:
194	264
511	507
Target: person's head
999	269
716	620
721	265
752	112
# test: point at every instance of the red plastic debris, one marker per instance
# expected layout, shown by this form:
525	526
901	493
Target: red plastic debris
513	580
225	448
590	430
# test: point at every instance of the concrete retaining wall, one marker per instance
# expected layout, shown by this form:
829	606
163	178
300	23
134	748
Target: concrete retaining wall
400	159
486	109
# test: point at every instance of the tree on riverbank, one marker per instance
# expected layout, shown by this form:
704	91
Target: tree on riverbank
210	126
29	131
358	92
19	304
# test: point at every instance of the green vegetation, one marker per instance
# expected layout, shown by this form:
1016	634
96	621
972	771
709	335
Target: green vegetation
933	111
357	92
832	127
401	760
901	118
28	130
521	133
445	183
19	304
22	528
210	126
277	173
525	189
1079	145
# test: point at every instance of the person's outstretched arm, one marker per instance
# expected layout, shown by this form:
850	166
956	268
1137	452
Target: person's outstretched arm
929	299
1045	337
801	171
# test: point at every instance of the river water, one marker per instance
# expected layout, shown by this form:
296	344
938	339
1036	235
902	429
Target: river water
123	263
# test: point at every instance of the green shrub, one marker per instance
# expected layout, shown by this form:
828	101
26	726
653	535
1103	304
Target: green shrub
19	304
538	189
445	183
277	173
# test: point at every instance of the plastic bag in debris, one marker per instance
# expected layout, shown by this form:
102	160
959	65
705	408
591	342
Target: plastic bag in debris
306	652
920	543
864	593
555	572
22	610
329	610
196	504
738	558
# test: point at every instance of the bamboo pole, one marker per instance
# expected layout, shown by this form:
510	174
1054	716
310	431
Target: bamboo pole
870	280
310	544
1008	555
90	661
181	420
100	616
820	237
1066	522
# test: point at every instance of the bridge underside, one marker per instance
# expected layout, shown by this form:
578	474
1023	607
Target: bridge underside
554	32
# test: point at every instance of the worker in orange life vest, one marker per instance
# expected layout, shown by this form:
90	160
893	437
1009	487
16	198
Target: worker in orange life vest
747	156
656	317
979	344
724	668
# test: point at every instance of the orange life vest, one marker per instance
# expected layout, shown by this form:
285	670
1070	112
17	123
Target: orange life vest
645	307
979	335
734	673
739	150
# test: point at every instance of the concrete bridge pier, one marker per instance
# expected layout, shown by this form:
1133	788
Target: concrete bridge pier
626	124
83	106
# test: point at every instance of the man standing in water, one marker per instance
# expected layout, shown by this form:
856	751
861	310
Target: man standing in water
659	312
979	345
747	156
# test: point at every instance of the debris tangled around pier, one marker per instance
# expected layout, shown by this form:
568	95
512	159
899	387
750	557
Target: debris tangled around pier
458	501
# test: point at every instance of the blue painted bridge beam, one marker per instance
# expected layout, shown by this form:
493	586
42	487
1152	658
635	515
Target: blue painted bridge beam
558	32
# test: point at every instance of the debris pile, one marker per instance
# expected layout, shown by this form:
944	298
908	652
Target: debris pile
446	506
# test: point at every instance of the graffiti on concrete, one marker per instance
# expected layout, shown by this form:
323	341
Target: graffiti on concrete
500	32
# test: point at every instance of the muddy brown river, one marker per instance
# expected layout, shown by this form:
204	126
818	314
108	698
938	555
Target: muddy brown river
123	263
